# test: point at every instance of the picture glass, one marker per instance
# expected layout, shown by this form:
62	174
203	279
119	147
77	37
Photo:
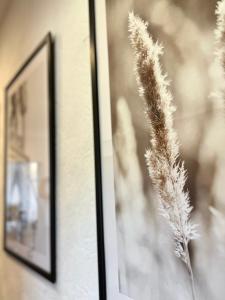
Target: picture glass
28	199
145	263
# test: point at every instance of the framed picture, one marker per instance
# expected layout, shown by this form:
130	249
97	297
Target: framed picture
29	223
159	147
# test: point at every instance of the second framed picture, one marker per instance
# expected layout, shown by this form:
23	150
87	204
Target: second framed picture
30	163
158	101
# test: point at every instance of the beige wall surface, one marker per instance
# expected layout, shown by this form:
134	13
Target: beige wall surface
24	24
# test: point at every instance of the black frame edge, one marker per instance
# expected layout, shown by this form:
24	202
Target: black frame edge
97	152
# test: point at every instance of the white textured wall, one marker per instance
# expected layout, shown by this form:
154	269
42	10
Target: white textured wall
24	25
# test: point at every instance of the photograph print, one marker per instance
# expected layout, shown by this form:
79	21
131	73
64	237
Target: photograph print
29	159
158	75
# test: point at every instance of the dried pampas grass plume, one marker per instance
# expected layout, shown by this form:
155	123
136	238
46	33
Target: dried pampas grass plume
220	33
166	172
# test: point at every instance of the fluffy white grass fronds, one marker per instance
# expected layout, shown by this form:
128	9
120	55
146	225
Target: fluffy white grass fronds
166	172
220	32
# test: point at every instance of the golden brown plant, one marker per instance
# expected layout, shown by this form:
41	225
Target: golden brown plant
165	170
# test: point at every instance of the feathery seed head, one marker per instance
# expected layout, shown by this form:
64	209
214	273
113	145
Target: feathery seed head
220	32
167	174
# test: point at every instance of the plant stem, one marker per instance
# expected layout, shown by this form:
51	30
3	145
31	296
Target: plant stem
188	263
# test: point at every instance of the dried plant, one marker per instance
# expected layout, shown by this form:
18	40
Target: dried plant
165	170
219	93
220	33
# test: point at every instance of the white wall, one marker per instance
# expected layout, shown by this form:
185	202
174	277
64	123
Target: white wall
24	25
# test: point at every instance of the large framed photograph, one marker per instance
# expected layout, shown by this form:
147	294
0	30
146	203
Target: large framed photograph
29	231
159	126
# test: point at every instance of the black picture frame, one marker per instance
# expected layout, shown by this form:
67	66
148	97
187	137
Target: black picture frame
107	234
97	153
133	47
49	44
